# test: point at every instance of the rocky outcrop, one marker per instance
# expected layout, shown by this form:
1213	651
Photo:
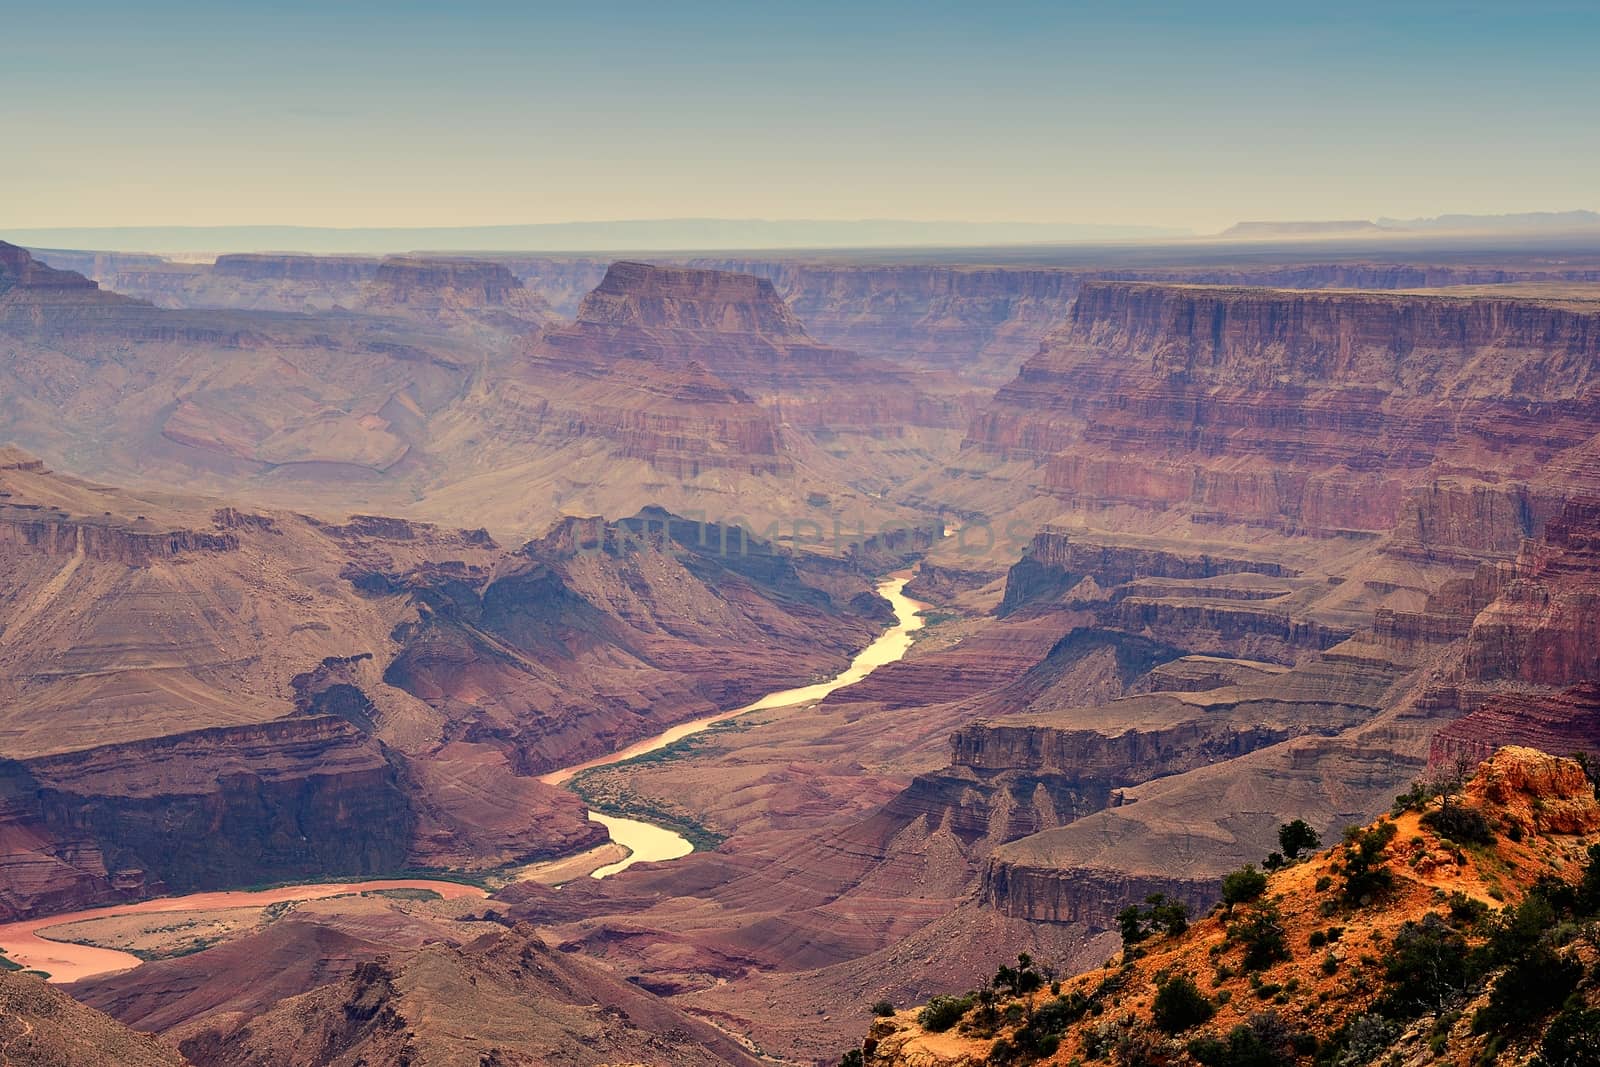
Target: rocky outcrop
696	371
37	297
20	271
1055	562
736	325
54	533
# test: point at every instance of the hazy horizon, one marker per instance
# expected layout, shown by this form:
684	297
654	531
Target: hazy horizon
1161	115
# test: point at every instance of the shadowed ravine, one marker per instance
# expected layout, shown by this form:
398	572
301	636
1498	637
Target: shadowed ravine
648	843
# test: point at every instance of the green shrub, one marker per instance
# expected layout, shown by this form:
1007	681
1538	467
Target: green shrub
1262	935
1465	911
1323	882
1573	1039
1425	968
1365	852
1363	1039
943	1012
1460	823
1296	838
883	1008
1017	980
1242	886
1179	1006
1265	1041
1530	988
1414	799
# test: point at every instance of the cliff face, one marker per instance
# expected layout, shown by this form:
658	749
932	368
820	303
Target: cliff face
1305	411
734	324
983	322
1529	671
208	809
34	296
1544	628
453	290
695	371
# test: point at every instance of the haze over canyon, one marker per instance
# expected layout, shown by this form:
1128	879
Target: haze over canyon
323	569
855	535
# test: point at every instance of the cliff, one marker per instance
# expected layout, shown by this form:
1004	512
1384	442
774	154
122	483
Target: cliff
453	290
982	322
1307	411
206	809
1529	672
34	296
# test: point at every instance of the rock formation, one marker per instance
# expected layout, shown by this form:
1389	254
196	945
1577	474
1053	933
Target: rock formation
351	698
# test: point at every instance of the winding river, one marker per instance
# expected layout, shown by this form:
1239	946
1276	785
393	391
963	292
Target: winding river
66	961
648	843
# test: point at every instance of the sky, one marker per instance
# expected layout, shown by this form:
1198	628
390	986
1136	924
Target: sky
478	113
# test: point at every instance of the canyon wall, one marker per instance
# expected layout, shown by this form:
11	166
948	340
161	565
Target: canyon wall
1309	412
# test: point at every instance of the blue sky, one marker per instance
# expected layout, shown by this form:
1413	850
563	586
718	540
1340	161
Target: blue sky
481	113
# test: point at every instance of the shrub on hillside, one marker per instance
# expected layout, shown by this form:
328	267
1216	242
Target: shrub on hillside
1243	886
942	1012
1530	988
1298	837
1362	862
1461	823
1425	968
1262	935
1179	1006
1573	1039
1264	1041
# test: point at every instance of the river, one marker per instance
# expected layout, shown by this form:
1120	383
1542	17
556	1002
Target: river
645	842
648	843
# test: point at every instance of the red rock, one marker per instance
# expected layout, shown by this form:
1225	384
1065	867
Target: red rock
1306	411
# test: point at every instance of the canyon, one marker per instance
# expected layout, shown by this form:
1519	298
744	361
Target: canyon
325	567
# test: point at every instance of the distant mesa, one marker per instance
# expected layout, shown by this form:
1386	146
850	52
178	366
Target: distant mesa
1525	222
1315	228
